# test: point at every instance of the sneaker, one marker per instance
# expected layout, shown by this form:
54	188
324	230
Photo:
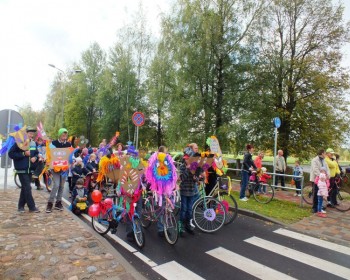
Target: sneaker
299	194
295	194
244	199
49	207
330	205
59	206
324	212
321	215
191	224
35	210
21	210
181	229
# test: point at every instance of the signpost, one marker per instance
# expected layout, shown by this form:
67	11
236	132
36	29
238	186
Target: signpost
6	128
277	124
138	120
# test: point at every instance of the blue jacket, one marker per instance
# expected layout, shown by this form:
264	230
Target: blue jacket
22	163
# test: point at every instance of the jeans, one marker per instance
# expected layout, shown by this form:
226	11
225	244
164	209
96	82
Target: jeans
186	208
319	204
298	186
332	198
244	183
315	198
26	196
57	188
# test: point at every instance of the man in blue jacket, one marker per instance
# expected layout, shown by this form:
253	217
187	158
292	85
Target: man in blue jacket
23	160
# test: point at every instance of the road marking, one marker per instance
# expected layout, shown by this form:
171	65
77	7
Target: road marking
173	271
318	263
314	241
145	259
247	265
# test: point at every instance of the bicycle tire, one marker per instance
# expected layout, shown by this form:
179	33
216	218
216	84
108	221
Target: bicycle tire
263	193
208	214
307	195
343	200
146	213
101	223
17	181
170	228
231	207
138	232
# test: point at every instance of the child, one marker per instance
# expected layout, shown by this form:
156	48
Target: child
77	171
40	163
263	179
92	165
323	184
79	197
297	171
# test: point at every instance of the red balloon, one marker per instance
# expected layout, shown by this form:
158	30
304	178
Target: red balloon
108	202
94	210
96	196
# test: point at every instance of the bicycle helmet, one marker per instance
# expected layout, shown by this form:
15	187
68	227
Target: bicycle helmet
61	131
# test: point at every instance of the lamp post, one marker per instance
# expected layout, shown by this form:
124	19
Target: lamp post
64	89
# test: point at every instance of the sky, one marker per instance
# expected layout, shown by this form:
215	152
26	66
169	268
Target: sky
35	33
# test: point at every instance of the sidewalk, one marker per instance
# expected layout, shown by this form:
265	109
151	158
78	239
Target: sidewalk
54	246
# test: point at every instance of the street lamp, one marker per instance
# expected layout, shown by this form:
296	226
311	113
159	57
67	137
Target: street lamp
64	88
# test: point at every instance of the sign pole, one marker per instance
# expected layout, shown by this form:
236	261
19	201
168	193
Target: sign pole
7	154
137	136
277	124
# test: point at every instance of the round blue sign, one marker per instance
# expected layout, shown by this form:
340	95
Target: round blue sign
277	122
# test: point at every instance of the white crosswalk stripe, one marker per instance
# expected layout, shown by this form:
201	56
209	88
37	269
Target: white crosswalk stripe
254	268
314	241
174	271
310	260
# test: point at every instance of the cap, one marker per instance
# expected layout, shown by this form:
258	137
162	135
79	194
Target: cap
61	131
263	169
30	129
330	150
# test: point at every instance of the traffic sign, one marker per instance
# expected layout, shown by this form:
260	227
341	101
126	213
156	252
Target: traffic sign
138	119
277	122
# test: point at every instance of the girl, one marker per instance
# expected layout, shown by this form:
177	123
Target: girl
323	184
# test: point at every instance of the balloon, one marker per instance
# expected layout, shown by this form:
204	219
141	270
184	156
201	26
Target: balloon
94	210
96	196
108	202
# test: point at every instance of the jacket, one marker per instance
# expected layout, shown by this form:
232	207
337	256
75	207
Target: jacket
21	162
280	164
248	162
316	164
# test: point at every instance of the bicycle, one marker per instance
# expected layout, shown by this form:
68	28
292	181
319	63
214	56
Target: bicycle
47	179
208	213
262	192
108	219
223	193
343	194
151	212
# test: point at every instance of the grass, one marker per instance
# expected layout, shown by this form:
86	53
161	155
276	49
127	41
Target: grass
283	211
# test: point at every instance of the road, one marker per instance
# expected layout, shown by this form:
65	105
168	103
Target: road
247	249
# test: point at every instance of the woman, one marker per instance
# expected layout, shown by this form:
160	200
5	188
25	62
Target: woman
247	166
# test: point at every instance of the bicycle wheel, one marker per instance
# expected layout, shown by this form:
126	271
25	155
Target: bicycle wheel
17	181
170	228
230	205
263	193
146	213
208	214
101	223
138	232
307	194
343	200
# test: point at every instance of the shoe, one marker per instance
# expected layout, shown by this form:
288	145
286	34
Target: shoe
324	212
130	236
35	210
191	224
295	194
181	229
330	205
189	229
21	210
161	233
39	189
299	194
244	199
322	215
49	207
35	177
59	206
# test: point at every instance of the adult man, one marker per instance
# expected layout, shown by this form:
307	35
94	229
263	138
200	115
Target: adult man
333	171
23	160
280	168
316	164
58	178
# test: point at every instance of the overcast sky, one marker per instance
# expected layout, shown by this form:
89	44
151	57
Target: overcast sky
34	33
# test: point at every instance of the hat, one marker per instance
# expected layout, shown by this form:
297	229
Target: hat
330	150
263	169
30	129
78	159
61	131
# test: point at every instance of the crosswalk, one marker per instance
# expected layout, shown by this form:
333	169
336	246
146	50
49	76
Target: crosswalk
252	266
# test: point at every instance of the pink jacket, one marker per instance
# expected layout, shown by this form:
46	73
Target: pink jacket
323	186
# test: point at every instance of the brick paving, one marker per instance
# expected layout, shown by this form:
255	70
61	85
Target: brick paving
54	246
